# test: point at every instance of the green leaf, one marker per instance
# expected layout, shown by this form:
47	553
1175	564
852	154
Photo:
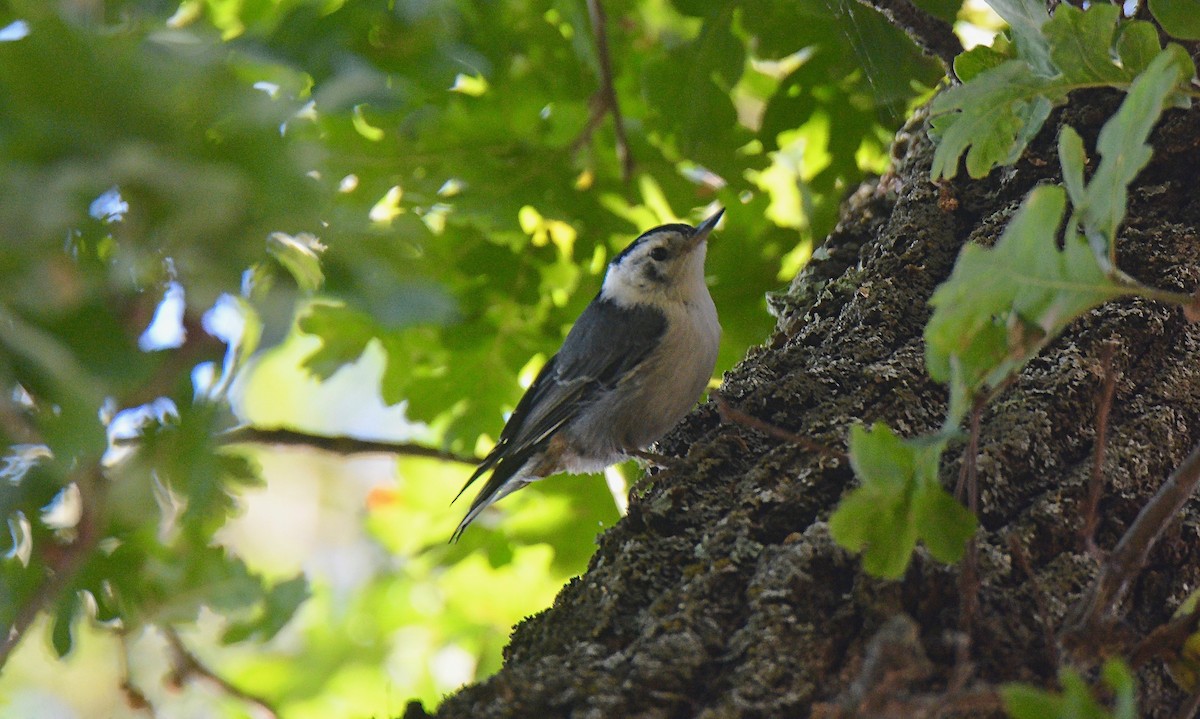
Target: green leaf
344	336
994	115
278	606
969	64
898	503
1179	18
990	118
172	592
1073	159
62	633
1137	45
1001	305
1022	701
879	456
1123	149
1080	42
1026	18
1120	679
1076	700
943	523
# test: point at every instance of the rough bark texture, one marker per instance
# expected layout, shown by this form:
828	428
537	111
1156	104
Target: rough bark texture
722	594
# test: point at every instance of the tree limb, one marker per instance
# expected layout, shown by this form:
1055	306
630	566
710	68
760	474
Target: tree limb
731	414
1104	401
605	100
186	665
932	34
338	444
1098	605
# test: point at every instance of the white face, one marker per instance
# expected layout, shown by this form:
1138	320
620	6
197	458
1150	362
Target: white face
666	263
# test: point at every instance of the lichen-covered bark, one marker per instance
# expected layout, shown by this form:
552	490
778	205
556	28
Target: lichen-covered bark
722	594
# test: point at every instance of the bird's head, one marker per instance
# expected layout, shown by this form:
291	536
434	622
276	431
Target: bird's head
663	264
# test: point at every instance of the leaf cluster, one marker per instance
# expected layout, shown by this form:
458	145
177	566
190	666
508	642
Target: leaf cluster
1009	88
1001	305
209	206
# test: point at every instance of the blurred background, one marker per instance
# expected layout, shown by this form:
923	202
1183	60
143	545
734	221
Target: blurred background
273	272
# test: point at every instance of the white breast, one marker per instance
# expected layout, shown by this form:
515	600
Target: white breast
677	373
653	399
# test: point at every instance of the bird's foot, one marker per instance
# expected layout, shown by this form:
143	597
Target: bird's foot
659	460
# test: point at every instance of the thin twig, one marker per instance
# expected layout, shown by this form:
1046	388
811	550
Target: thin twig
1098	606
733	415
1104	400
964	668
968	578
134	697
932	34
1039	598
605	100
186	665
337	444
68	561
967	470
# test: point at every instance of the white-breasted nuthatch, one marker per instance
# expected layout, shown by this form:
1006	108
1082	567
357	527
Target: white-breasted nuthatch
635	362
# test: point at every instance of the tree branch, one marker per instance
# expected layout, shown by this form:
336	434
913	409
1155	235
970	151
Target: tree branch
1104	400
1191	707
1098	605
968	482
186	665
932	34
605	100
735	416
338	444
1039	598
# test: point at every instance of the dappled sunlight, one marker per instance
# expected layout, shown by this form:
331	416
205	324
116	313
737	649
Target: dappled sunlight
275	274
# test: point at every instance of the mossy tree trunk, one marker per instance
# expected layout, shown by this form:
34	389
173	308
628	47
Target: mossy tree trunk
722	593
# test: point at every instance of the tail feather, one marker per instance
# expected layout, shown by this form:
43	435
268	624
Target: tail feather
485	466
506	479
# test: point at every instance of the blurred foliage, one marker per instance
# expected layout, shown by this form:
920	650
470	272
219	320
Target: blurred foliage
1076	700
369	217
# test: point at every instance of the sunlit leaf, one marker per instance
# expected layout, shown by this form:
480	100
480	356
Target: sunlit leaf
279	604
1080	43
301	256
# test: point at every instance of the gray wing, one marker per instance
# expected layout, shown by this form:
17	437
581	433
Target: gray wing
606	343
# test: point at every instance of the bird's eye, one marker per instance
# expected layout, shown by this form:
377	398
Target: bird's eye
658	254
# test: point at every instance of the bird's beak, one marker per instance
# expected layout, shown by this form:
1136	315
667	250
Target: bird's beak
706	227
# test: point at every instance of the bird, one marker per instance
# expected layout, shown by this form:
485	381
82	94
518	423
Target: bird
630	368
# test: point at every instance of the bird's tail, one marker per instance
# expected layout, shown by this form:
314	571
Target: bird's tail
506	479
